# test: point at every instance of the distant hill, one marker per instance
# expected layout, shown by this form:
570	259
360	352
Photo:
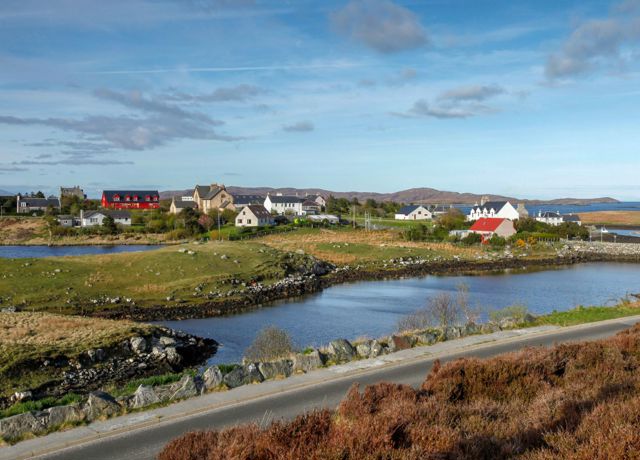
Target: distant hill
413	195
5	193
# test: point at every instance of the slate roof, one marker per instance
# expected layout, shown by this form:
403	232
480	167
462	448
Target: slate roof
286	199
550	215
495	205
406	210
180	204
571	218
248	199
41	202
107	212
141	194
207	192
487	224
310	203
259	211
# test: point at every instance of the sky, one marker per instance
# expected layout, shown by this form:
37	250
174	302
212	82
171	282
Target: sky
533	99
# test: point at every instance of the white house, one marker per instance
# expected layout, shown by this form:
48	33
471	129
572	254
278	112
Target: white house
283	204
414	212
491	209
95	218
318	199
254	215
311	207
551	218
322	218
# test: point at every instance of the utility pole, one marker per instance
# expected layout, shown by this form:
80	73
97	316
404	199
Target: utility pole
219	233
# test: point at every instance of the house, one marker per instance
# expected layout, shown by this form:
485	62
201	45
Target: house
283	204
551	218
324	218
178	203
67	221
214	196
318	199
489	226
311	207
414	212
573	218
254	215
240	201
70	192
439	210
26	205
130	199
95	218
501	209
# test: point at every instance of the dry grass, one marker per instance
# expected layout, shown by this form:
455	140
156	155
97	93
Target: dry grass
630	218
574	401
63	332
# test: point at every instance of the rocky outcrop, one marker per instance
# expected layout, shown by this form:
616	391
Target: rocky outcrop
275	369
307	362
341	350
100	405
143	397
243	375
212	378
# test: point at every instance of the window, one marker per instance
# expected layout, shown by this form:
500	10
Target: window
239	221
136	197
127	198
248	221
116	197
147	198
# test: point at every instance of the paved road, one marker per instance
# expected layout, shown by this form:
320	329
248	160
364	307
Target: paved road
145	443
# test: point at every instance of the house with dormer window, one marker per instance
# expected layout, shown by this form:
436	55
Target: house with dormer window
130	199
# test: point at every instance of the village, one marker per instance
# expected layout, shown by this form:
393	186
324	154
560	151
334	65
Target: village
212	206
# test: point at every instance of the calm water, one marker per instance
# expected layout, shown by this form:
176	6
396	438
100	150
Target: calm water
373	308
21	252
573	209
625	232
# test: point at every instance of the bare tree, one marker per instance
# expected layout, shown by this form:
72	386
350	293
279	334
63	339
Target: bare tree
471	314
270	343
442	310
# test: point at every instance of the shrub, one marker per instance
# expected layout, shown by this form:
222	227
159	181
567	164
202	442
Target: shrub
497	242
515	312
177	234
270	343
471	239
443	310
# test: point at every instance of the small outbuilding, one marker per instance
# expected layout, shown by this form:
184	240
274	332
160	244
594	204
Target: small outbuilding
95	218
490	226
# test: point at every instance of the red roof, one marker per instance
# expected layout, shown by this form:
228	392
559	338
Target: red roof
487	224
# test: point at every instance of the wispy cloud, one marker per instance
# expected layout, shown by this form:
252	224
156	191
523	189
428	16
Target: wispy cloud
239	93
381	25
471	93
299	127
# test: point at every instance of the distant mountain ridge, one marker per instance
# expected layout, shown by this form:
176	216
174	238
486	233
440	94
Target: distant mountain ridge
413	195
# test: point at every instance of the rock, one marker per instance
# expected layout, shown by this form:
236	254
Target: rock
99	405
308	362
426	338
212	378
508	323
21	396
399	342
470	329
144	396
376	349
451	333
138	345
529	318
186	387
173	357
167	341
243	375
341	350
489	328
271	370
364	349
13	428
61	415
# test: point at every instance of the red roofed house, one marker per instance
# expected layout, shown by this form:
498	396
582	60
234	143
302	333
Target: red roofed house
489	226
130	199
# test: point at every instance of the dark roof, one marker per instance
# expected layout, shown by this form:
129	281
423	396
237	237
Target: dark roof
286	199
109	194
248	199
65	217
180	204
310	203
259	211
207	192
406	210
571	217
550	214
108	212
41	202
495	205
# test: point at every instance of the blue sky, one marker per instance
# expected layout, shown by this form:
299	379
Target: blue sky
534	99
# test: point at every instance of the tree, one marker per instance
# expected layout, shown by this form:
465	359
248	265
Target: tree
109	224
270	343
50	224
206	221
453	219
39	194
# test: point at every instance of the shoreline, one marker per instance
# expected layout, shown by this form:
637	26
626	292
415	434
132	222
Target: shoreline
315	284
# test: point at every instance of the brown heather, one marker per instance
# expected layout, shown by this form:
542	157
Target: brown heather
575	401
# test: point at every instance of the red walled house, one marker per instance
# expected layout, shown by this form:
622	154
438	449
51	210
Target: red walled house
130	199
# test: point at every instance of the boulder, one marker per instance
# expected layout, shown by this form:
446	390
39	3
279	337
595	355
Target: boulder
452	332
61	415
470	329
167	341
138	345
308	362
212	378
243	375
185	388
271	370
143	397
426	338
399	342
377	349
14	428
489	328
99	405
341	350
364	349
173	357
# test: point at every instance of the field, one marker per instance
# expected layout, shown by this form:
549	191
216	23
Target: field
578	401
611	218
144	278
27	336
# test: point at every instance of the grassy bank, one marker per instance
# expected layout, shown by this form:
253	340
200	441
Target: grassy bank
27	338
612	218
581	315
